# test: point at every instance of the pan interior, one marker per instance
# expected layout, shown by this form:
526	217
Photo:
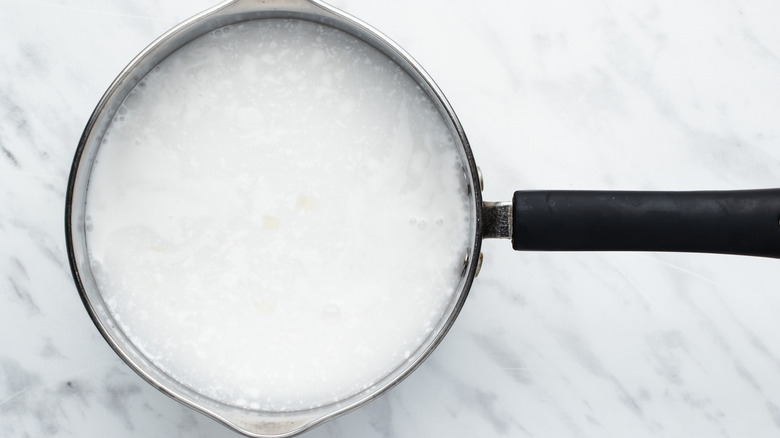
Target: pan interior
277	216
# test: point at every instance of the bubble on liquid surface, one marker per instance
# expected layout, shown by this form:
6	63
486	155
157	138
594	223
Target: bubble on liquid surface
331	312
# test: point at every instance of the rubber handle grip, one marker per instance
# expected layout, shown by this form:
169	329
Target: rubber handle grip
745	222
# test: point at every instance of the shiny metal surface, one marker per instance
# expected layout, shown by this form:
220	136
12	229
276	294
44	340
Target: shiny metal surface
497	220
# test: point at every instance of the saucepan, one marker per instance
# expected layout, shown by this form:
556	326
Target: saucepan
743	222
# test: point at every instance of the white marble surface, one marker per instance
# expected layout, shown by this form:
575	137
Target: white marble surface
559	94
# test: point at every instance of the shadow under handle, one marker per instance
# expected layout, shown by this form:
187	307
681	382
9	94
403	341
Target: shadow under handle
745	222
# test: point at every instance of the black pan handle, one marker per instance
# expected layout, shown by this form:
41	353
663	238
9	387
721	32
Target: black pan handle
745	222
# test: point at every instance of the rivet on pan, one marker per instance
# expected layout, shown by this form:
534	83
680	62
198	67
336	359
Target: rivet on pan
465	264
479	265
481	183
466	181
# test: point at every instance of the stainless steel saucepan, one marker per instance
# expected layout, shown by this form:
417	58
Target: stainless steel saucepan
736	222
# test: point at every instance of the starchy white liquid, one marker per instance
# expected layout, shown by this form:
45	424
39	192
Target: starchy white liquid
276	216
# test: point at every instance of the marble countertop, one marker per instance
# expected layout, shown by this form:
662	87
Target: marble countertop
558	95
